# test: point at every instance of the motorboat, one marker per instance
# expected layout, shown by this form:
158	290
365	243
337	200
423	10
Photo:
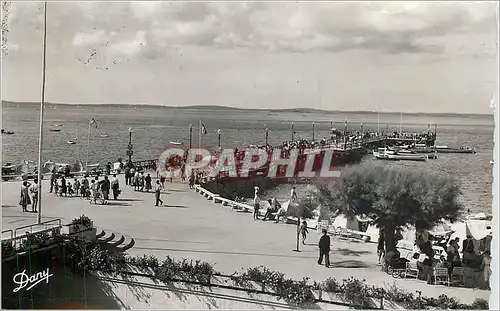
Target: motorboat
175	143
104	135
55	130
71	142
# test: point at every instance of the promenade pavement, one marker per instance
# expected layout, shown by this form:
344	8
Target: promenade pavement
190	226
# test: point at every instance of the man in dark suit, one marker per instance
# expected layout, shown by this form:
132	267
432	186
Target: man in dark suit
324	249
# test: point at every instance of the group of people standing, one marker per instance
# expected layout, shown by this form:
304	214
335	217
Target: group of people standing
29	196
92	189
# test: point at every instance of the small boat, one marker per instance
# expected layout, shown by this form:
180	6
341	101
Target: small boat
446	149
7	132
55	130
57	125
71	142
431	154
386	155
176	143
104	135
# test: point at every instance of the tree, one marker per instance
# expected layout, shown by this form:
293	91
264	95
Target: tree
304	209
393	198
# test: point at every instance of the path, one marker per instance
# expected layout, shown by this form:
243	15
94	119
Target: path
190	226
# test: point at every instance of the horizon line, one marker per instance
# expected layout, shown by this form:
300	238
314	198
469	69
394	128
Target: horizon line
222	107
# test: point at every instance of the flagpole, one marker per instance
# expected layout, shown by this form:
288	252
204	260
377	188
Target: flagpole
199	139
42	104
88	147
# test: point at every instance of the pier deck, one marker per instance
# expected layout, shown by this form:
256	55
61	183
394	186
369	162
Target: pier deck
190	226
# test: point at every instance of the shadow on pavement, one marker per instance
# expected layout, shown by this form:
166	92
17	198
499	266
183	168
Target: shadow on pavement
350	252
176	206
348	264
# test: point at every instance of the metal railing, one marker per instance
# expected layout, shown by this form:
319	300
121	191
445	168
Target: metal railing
45	223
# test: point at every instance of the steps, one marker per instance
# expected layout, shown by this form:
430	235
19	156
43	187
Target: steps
113	241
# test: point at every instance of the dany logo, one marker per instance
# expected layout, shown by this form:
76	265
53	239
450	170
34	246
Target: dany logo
24	280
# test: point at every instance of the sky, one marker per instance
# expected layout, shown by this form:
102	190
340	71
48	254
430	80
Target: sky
434	57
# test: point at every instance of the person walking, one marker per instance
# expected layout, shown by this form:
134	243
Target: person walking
136	180
127	175
25	197
53	179
105	186
34	195
191	179
141	181
76	186
381	244
115	187
159	202
324	249
85	189
95	191
147	180
256	204
293	195
64	187
303	231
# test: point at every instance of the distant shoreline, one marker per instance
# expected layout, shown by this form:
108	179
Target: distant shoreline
226	108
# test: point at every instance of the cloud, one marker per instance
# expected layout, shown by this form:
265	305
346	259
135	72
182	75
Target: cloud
389	27
397	27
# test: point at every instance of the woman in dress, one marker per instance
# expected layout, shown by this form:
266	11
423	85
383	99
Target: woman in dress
25	196
148	182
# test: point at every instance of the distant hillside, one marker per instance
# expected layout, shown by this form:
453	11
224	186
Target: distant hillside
290	110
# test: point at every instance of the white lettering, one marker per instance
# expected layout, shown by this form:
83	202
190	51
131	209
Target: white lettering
277	160
191	162
308	168
225	163
248	164
23	280
325	168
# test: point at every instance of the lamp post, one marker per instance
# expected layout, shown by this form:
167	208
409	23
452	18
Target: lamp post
361	129
345	135
190	136
130	147
42	104
218	138
313	130
293	132
267	135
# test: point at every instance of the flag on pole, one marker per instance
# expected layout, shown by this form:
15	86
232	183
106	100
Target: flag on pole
93	122
218	131
203	129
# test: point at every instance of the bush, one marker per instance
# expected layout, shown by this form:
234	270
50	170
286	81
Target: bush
84	256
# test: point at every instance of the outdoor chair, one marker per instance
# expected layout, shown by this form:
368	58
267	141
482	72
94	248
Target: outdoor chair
441	276
411	270
457	276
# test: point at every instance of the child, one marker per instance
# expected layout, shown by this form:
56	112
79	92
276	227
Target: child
303	231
